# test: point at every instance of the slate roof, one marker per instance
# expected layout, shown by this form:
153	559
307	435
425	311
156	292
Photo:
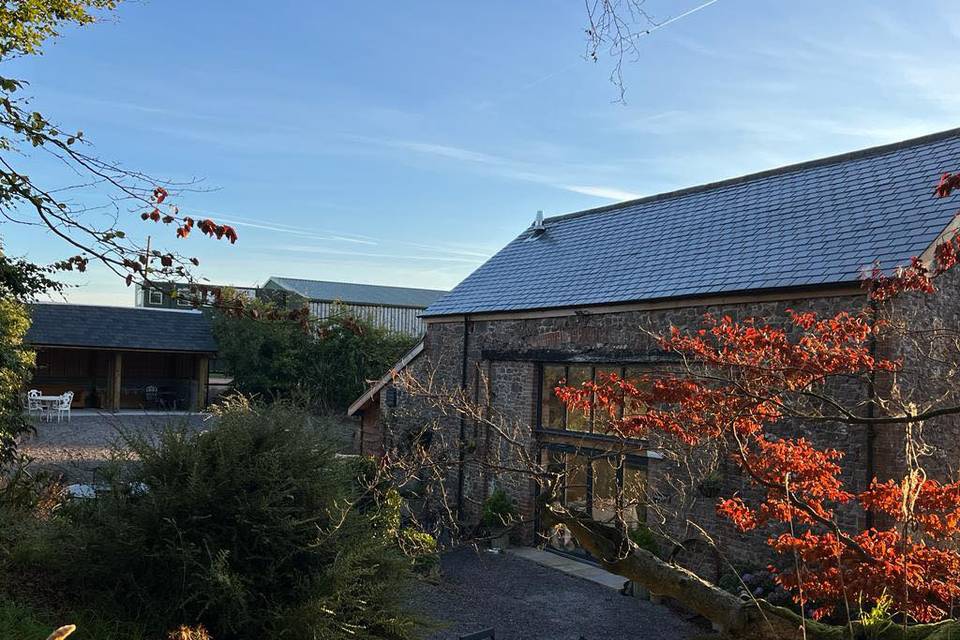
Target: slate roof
359	293
815	223
76	325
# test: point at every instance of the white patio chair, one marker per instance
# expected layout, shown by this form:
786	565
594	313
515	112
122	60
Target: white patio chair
152	396
63	407
33	403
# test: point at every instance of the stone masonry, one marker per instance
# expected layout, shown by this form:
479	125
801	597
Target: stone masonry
497	362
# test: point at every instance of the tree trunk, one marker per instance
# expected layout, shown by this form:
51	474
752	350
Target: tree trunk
750	620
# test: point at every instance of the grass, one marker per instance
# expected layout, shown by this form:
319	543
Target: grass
17	621
21	622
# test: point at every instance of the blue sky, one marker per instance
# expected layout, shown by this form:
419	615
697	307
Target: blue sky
404	144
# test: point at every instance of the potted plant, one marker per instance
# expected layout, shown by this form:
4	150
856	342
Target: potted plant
498	513
643	537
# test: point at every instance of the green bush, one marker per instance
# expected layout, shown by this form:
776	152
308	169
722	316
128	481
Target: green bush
254	529
643	537
16	367
327	363
498	510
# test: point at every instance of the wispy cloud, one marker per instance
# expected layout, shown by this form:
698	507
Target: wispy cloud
431	257
771	125
317	234
446	151
454	249
602	192
448	252
296	232
113	105
558	177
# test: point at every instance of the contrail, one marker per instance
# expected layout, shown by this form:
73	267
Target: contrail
682	15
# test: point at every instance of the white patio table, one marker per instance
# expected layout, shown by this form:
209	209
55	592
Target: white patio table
49	403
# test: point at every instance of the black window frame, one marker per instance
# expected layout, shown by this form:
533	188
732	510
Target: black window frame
637	461
591	434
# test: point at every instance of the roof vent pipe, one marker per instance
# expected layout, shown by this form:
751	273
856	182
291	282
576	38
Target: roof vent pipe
537	225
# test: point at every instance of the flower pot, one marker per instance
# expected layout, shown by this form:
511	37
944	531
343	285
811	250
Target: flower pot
500	542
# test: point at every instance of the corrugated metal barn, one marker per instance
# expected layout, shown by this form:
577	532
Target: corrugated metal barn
396	308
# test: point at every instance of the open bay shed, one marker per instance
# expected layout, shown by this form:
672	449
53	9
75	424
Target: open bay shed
122	357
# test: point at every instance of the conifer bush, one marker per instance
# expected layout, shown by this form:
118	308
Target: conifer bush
254	529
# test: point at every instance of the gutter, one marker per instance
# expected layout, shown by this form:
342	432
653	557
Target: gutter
461	454
871	471
777	294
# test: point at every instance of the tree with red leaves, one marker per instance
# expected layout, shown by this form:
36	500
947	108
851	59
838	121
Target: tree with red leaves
747	384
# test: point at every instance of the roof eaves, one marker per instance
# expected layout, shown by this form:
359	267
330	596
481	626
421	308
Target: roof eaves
704	295
385	379
59	345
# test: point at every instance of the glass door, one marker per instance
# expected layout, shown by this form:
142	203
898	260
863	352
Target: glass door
607	488
575	491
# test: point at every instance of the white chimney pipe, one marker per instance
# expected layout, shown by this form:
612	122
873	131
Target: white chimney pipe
537	225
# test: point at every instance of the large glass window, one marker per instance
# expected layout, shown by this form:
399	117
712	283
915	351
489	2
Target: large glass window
551	409
553	413
576	482
605	489
632	407
634	495
601	419
578	420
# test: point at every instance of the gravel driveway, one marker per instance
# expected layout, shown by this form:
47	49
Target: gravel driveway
76	449
523	600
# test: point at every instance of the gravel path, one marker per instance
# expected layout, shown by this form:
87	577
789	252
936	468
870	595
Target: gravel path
526	601
77	448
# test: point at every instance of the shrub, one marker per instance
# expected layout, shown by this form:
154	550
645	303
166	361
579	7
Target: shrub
328	362
16	367
189	633
876	619
19	621
498	509
711	485
643	537
254	529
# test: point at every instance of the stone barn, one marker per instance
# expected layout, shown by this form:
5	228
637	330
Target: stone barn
567	299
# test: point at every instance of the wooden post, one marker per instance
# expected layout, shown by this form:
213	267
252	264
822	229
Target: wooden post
114	381
203	379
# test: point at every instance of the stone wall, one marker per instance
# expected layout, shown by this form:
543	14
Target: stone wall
502	371
930	355
497	363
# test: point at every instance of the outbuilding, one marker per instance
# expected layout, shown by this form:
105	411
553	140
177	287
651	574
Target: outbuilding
394	308
116	358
